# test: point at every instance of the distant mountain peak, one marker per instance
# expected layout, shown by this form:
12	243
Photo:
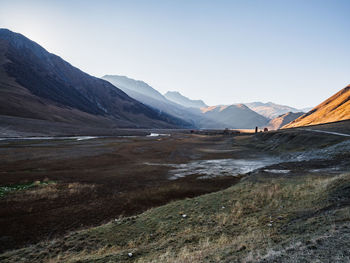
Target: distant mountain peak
19	41
283	119
178	98
241	105
235	116
270	109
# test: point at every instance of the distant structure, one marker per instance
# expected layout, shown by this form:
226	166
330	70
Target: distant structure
256	129
266	129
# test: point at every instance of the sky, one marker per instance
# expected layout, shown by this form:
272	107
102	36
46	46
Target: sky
289	52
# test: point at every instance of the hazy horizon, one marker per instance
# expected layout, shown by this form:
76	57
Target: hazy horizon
292	52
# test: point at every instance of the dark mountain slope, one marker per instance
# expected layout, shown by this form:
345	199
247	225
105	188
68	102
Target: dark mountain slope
37	84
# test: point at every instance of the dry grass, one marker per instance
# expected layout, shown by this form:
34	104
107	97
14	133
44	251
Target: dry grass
77	188
49	191
256	217
251	221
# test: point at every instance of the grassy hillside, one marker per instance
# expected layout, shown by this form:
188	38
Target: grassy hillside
336	108
262	217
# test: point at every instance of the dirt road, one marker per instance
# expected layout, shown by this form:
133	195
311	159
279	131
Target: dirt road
327	132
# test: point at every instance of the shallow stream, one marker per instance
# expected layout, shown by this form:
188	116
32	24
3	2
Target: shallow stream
217	167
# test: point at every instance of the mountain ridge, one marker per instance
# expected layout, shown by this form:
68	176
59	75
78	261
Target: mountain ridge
178	98
283	119
199	117
269	109
335	108
39	84
235	116
124	82
151	97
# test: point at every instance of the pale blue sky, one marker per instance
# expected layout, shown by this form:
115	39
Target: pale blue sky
289	52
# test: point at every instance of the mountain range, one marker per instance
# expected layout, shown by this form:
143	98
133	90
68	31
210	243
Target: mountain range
193	111
271	115
270	110
144	93
40	85
235	116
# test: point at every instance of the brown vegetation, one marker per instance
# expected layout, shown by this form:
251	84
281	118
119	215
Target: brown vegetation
95	181
266	216
263	218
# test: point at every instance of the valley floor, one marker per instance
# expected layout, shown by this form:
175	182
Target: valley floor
75	184
293	208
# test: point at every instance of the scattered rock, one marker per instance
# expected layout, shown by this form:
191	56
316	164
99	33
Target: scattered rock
312	247
241	248
130	255
270	225
184	215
